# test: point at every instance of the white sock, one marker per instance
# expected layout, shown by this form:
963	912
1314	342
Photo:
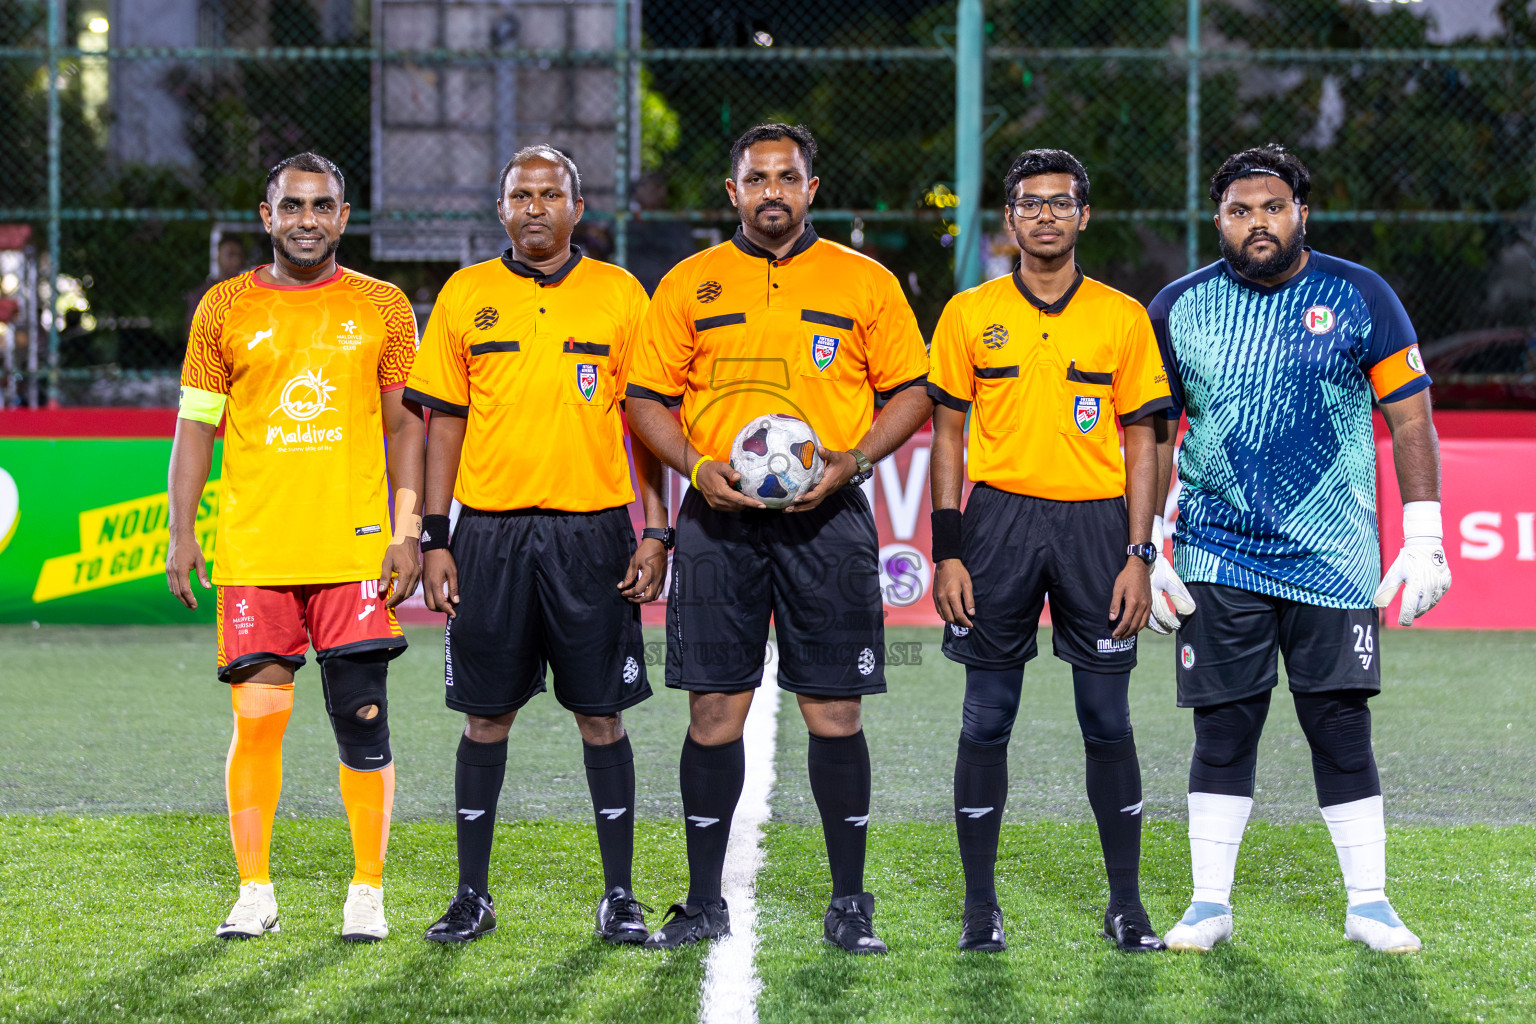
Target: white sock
1359	831
1216	823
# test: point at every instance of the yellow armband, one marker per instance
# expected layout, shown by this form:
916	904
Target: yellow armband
202	406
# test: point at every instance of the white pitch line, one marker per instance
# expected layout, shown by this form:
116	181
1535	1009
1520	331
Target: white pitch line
731	984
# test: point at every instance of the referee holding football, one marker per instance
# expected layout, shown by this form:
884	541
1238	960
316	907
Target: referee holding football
776	321
1045	359
522	364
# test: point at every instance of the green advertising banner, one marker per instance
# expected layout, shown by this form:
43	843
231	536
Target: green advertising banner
83	532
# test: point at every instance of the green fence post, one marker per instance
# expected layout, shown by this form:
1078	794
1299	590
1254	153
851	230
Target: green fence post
970	67
621	140
55	15
1192	141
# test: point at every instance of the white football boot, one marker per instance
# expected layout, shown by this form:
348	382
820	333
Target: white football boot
1202	926
362	919
254	913
1378	926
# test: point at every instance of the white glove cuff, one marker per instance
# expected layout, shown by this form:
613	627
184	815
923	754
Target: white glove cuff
1157	532
1421	521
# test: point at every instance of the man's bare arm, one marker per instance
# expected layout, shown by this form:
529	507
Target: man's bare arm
1415	447
191	462
445	443
404	456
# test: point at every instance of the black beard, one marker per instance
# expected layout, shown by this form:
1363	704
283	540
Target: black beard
774	230
305	262
1256	269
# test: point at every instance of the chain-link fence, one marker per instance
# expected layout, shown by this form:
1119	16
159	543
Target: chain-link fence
137	133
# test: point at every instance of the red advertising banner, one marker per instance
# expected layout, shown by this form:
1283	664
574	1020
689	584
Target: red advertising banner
1488	507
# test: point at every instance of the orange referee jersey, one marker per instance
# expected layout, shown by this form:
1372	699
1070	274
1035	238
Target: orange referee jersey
1047	381
536	363
734	333
304	495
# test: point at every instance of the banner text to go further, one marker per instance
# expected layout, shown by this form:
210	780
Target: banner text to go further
125	541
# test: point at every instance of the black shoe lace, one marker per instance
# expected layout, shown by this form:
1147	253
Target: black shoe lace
462	912
856	921
979	918
628	911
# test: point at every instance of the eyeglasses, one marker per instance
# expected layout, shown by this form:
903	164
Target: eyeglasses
1030	207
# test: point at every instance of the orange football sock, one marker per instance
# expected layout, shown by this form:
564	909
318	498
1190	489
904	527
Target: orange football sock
369	797
253	774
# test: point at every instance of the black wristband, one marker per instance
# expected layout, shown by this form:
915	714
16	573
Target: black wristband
947	542
434	532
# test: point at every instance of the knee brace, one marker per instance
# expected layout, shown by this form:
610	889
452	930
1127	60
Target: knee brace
1227	746
1338	729
352	683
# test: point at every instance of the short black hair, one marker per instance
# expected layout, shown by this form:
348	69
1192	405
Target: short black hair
799	133
1273	160
1034	162
540	152
310	163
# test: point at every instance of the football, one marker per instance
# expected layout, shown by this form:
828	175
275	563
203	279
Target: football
777	459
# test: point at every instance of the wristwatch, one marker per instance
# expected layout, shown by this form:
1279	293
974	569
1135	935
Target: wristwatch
665	534
866	469
1146	552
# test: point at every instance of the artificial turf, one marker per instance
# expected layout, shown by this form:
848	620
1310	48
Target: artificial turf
114	860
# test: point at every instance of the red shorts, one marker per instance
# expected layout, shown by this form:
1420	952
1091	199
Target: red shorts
259	624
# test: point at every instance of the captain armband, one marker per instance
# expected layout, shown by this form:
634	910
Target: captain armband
202	406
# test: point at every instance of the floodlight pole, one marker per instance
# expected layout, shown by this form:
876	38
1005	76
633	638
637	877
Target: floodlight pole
970	69
621	126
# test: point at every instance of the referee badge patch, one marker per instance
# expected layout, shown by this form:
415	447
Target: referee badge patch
486	318
995	336
1085	413
586	379
823	350
709	291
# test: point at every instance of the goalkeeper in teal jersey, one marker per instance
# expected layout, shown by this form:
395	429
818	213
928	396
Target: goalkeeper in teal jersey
1275	353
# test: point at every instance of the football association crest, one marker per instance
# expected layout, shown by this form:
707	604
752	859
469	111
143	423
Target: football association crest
1187	656
1318	319
486	318
1415	360
995	336
586	379
823	350
709	291
1085	412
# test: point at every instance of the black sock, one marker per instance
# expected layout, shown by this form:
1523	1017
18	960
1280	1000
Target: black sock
476	787
981	791
839	771
1114	793
611	780
711	779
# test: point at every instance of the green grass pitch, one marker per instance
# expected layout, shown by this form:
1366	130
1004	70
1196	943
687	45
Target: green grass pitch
114	859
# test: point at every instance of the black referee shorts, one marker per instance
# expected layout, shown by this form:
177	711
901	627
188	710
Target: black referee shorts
539	587
1017	548
1226	649
815	572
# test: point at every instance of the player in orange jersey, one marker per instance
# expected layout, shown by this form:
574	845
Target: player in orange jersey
308	361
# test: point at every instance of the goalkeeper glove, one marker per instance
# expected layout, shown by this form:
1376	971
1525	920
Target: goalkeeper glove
1420	568
1167	587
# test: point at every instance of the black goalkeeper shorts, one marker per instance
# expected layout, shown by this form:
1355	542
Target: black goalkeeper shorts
1226	649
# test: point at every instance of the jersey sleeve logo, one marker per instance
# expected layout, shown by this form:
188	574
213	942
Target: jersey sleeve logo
486	318
995	336
823	350
1085	412
709	291
1319	319
586	379
1415	360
